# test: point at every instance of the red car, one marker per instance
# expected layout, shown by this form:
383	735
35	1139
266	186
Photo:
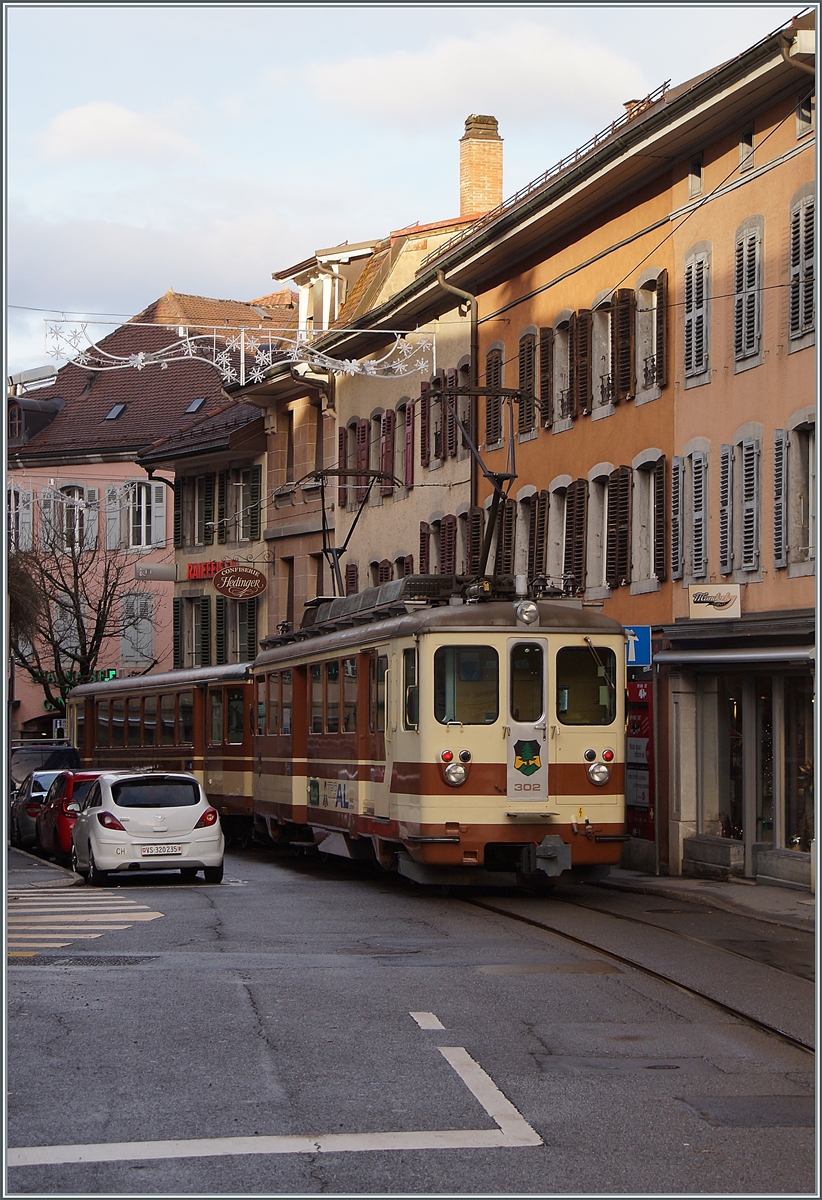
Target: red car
54	823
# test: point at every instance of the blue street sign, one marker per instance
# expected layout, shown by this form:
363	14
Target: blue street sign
638	646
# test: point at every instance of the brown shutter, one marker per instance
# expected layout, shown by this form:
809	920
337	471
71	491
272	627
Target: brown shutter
409	444
582	362
342	463
362	457
576	519
476	529
352	581
504	561
527	398
385	571
660	558
425	548
537	532
448	545
387	451
425	424
408	565
449	420
546	376
661	348
570	409
618	552
493	403
623	322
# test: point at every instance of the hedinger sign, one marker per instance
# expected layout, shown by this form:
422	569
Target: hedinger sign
240	583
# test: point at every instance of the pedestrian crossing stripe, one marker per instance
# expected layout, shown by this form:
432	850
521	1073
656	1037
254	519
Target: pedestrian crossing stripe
51	919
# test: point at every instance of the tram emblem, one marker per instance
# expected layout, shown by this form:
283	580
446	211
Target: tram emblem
526	757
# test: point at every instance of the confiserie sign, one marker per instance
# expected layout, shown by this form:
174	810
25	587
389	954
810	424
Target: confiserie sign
239	582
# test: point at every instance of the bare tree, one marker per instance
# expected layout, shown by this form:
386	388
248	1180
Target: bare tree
71	599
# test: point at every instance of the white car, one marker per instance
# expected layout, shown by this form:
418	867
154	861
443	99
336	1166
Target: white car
146	821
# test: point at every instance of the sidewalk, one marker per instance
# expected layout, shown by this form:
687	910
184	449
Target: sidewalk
789	907
25	870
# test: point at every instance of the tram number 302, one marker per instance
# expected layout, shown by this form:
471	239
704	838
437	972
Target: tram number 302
527	787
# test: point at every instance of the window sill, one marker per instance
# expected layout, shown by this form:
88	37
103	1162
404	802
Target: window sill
489	446
801	570
642	587
527	437
693	381
745	364
803	342
597	593
646	395
562	424
602	410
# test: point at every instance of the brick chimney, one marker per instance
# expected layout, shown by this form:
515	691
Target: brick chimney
480	165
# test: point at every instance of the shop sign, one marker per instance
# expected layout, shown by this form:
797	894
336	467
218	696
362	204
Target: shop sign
709	600
207	570
240	582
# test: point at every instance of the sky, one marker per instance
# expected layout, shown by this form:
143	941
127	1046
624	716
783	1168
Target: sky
203	147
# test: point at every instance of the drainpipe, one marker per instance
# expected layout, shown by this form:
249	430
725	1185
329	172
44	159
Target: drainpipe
471	301
787	40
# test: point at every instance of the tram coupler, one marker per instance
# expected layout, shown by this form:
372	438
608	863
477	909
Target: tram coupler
552	856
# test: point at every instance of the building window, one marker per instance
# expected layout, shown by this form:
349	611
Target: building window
204	502
15	422
795	498
597	530
697	329
747	293
652	335
387	451
250	502
563	359
695	173
801	306
68	519
137	628
603	385
493	403
648	552
18	518
746	154
805	114
146	504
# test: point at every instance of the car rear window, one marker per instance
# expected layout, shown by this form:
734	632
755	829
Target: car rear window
155	793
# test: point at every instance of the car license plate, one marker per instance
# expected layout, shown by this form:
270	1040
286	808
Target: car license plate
150	851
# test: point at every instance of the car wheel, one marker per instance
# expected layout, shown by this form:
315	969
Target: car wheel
189	873
213	874
96	877
75	865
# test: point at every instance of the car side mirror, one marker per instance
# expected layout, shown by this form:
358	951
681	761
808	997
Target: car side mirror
74	807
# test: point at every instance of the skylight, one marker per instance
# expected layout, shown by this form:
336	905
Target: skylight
196	405
115	412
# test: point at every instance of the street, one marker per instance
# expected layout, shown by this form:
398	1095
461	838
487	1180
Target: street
361	1034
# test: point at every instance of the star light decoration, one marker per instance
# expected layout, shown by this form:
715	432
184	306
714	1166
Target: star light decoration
240	355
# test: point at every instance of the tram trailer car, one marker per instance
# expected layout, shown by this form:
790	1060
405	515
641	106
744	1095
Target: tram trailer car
199	720
459	739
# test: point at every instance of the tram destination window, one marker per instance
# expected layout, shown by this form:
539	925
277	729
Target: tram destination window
526	682
466	685
586	692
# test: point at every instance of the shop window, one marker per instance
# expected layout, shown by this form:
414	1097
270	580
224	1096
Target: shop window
799	763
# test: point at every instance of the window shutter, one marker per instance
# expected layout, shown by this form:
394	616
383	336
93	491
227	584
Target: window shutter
696	312
47	518
537	532
576	520
780	507
582	383
493	404
342	463
220	641
385	571
676	518
222	507
408	565
25	540
251	629
658	501
623	326
208	513
476	529
569	407
409	444
801	306
352	581
699	555
449	418
618	544
527	383
661	347
179	493
158	516
255	496
546	376
204	631
113	501
362	458
387	451
746	295
92	506
177	631
726	533
506	537
425	424
448	545
425	548
750	504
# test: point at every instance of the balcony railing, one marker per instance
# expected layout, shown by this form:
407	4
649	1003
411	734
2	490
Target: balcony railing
606	388
650	372
566	402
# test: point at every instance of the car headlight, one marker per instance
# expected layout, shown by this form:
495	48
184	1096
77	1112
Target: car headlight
456	773
599	773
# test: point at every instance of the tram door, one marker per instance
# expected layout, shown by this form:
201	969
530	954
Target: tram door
527	726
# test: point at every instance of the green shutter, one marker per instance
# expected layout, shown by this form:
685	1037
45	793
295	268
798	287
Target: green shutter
208	511
251	627
205	630
255	494
177	627
220	630
179	486
222	513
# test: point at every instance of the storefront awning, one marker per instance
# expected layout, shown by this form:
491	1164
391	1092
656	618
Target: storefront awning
763	654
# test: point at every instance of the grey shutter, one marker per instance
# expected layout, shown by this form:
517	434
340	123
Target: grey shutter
220	641
696	315
801	302
746	295
113	519
726	498
750	504
699	530
92	505
780	507
158	515
24	522
204	631
48	519
177	631
676	518
658	501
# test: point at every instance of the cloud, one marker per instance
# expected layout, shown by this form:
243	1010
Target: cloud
527	71
103	130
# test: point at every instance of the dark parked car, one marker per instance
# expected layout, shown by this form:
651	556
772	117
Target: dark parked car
54	822
25	805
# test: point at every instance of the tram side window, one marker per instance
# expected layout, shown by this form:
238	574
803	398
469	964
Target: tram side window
379	666
150	721
80	726
261	704
287	689
316	699
274	702
586	692
526	681
234	716
167	720
349	695
410	689
332	697
466	685
118	721
185	718
216	722
102	723
133	725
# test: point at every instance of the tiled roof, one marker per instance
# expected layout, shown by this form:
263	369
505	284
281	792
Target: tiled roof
202	312
356	300
203	434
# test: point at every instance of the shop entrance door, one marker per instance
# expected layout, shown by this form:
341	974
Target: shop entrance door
745	795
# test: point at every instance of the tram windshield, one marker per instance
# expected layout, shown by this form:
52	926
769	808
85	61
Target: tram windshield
585	686
466	685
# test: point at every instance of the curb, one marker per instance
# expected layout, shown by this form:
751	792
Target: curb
693	897
61	877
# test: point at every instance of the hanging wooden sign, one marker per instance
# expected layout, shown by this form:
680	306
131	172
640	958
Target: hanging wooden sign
240	582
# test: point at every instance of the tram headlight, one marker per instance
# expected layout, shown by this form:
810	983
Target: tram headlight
599	773
527	612
456	773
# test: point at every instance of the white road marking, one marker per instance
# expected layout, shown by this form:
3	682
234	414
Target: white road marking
67	915
81	918
512	1131
427	1020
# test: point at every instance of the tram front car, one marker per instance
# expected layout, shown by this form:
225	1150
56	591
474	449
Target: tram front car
460	738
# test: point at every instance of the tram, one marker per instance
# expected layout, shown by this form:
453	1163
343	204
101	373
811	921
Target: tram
449	728
197	720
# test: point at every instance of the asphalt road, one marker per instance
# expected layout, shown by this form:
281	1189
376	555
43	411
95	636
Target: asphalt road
276	1009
